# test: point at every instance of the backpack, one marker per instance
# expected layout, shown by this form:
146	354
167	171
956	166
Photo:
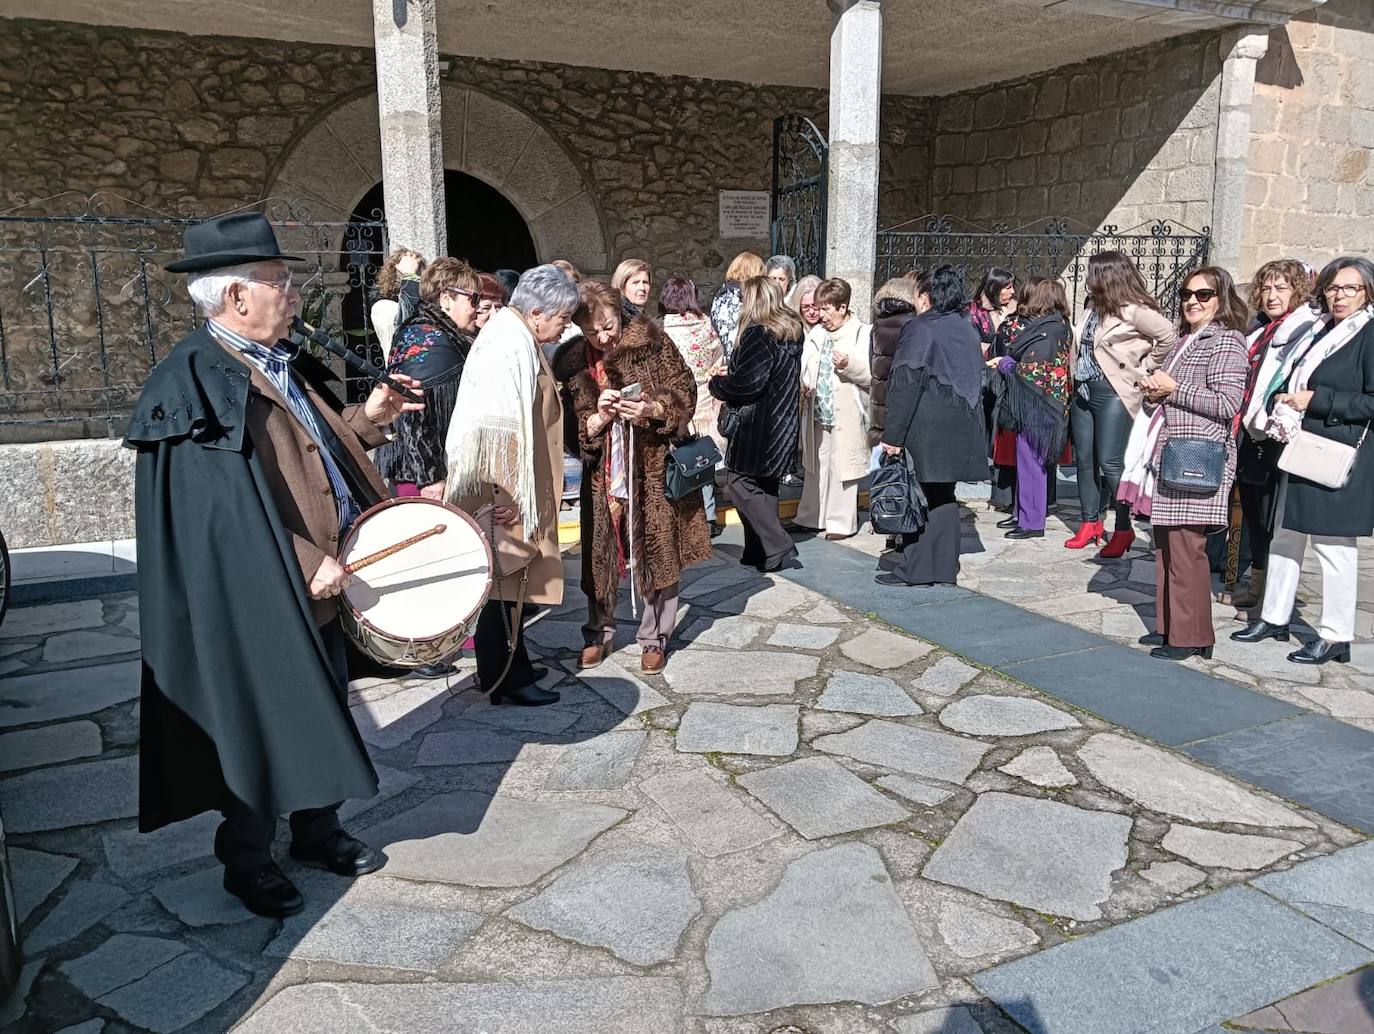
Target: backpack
896	504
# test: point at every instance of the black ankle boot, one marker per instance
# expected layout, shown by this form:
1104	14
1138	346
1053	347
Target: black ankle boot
1319	651
1153	639
1181	653
1258	631
525	696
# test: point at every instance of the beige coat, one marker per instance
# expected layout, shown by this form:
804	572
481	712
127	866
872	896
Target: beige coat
1127	347
849	437
546	570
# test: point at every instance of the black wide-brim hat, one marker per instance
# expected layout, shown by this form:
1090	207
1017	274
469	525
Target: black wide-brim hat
228	240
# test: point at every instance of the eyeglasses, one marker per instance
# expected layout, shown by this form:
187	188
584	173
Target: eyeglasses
473	295
1202	294
282	284
1343	290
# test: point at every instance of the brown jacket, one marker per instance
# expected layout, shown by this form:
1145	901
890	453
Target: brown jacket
296	474
1127	347
546	570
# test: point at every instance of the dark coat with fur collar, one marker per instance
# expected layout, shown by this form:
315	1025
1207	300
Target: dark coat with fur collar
666	535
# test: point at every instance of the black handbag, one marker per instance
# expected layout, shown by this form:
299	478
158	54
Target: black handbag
896	504
691	466
1194	465
728	422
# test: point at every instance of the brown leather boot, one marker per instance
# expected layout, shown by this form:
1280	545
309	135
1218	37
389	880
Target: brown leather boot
592	655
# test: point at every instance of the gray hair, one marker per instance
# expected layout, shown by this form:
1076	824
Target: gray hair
783	262
545	288
800	289
207	286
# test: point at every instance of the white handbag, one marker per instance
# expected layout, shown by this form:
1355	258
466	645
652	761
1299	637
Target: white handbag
1322	460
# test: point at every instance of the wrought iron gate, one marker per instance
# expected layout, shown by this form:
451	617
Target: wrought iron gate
1164	252
800	185
86	309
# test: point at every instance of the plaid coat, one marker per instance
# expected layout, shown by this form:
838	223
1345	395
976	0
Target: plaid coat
1211	367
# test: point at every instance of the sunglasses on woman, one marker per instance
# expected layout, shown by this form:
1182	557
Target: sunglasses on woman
1202	294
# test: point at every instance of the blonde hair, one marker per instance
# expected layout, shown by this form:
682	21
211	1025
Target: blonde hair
744	266
573	273
899	287
628	270
801	288
761	305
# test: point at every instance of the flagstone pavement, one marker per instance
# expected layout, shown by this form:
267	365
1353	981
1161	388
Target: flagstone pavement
809	824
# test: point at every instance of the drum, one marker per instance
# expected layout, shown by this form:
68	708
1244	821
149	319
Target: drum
421	571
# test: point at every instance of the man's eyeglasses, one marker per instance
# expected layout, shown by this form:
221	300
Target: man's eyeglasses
282	284
1202	294
1343	290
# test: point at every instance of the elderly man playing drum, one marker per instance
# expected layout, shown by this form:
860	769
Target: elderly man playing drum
248	472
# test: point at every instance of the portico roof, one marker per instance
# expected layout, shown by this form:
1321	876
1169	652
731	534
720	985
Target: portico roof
930	47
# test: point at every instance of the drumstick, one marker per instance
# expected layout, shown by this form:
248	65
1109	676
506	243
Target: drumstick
382	554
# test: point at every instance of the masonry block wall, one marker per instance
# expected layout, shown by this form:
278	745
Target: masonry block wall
1118	140
1310	181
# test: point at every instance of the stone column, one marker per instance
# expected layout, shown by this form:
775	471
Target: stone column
1240	53
856	62
412	139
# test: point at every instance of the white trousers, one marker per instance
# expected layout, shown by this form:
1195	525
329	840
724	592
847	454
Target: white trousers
1338	557
826	501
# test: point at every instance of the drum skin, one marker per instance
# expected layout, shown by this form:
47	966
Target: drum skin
418	605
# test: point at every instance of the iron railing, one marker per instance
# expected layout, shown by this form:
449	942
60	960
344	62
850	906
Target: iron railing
800	185
86	309
1163	251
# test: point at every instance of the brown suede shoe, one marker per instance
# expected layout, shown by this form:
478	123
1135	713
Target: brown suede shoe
593	655
651	661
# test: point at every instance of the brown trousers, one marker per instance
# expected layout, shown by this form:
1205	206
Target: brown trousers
1183	586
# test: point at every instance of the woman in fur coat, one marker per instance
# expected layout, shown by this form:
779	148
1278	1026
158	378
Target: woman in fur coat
629	526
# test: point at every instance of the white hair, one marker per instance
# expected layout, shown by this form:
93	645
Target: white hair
545	288
782	262
207	286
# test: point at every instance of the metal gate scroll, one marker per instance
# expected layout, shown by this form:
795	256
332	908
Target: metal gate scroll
800	186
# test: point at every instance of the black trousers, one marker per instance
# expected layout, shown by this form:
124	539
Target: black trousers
931	555
490	646
243	841
1257	479
766	542
1100	426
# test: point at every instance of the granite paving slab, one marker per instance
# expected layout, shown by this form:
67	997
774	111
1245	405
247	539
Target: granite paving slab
1316	761
879	648
1172	972
89	1027
83	646
987	715
472	746
199	899
607	1005
121	960
557	636
857	693
1173	877
915	790
1337	890
1041	766
732	633
832	930
769	730
34	699
131	854
35	875
483	841
1163	782
973	933
803	637
945	677
636	903
12	1007
1344	1006
396	718
819	798
604	762
1045	855
988	631
26	622
72	795
915	751
954	1020
723	674
175	994
85	903
48	745
825	614
713	820
390	782
392	936
771	601
546	721
1213	849
623	690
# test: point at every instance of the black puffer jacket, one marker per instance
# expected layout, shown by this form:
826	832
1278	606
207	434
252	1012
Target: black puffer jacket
763	387
890	316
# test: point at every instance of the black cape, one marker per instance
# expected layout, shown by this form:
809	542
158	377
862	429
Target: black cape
238	696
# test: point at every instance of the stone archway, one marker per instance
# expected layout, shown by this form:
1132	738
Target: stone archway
332	165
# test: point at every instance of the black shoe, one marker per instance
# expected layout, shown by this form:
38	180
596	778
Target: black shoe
537	673
1153	639
716	529
786	561
525	696
341	854
890	563
1007	522
1025	533
1257	631
1181	653
1319	651
434	671
264	891
892	579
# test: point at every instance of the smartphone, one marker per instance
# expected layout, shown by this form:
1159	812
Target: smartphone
631	392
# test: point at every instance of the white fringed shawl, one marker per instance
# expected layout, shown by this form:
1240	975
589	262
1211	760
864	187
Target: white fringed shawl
491	437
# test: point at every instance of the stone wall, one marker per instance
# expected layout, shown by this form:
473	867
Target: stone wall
1310	182
60	492
1118	140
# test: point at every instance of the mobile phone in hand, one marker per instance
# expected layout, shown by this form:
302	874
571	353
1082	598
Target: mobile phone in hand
631	392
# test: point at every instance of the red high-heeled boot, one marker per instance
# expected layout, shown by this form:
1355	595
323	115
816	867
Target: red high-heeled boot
1117	545
1089	533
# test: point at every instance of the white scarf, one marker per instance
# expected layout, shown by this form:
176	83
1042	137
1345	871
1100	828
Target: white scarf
491	437
1278	356
1285	422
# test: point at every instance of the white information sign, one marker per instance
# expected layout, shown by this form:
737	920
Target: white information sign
744	213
